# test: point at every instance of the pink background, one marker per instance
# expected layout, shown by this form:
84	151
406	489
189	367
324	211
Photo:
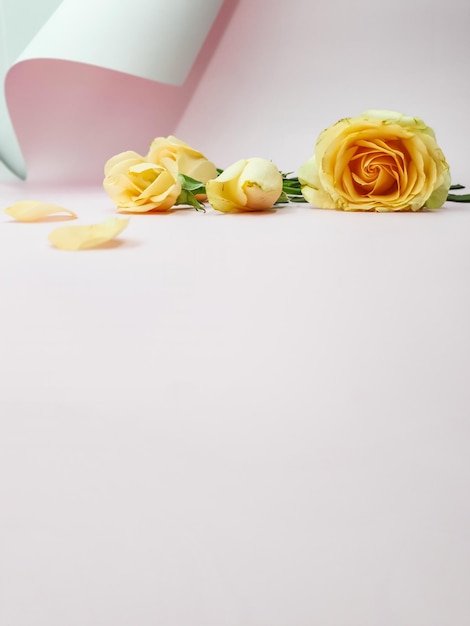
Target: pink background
240	420
267	81
283	73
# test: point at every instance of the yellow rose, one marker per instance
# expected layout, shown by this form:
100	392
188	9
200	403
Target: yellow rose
138	186
189	161
378	161
247	185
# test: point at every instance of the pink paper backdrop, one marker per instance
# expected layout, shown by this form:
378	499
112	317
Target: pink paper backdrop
283	72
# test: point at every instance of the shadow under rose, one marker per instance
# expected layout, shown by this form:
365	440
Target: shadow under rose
248	214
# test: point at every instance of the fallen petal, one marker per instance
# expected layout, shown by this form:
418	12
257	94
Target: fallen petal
32	211
91	236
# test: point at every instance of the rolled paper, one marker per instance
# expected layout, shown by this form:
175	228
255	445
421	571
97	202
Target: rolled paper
53	102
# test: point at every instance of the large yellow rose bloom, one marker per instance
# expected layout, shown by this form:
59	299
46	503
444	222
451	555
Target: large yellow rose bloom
378	161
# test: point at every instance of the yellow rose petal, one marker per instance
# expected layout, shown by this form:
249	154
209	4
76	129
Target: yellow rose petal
189	161
32	211
91	236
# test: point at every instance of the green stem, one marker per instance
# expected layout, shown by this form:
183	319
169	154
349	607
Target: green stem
453	197
187	197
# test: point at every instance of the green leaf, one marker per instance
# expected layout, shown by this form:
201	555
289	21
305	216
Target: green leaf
187	197
291	186
296	198
457	187
191	184
453	197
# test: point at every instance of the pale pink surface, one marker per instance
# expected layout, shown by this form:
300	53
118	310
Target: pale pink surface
236	420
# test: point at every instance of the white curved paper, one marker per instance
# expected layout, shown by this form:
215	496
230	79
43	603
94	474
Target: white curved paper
154	39
157	40
19	23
